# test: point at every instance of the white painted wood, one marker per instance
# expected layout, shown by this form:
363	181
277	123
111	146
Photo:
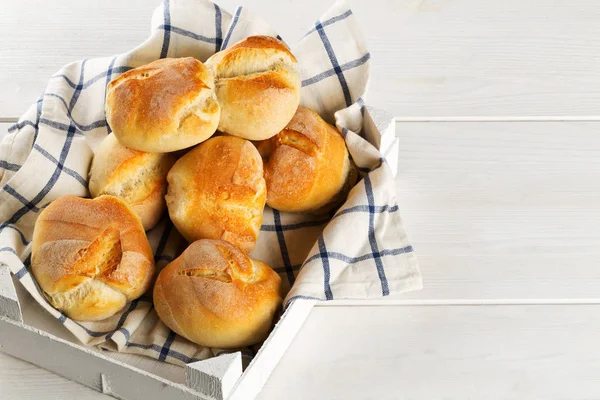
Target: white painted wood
502	210
431	58
442	352
87	366
38	37
216	376
35	316
262	365
42	340
379	128
24	381
9	303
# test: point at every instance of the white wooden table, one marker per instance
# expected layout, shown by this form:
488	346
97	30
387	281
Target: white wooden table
498	104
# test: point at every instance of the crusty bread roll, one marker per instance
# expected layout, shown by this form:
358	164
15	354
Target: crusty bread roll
164	106
308	166
258	87
90	257
217	191
138	177
216	296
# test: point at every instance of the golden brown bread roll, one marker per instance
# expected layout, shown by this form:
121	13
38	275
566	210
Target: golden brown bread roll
258	87
164	106
90	257
137	177
217	191
308	167
216	296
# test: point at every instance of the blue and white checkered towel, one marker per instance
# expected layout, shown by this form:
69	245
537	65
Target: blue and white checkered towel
359	252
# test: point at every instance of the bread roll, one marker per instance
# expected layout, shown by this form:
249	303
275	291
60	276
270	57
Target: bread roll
137	177
217	191
216	296
308	167
164	106
90	257
258	87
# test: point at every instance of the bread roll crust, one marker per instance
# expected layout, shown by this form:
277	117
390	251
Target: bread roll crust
163	106
217	191
251	55
216	296
308	166
258	87
90	257
137	177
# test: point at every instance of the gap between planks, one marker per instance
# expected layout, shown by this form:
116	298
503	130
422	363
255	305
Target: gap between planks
458	119
457	302
533	118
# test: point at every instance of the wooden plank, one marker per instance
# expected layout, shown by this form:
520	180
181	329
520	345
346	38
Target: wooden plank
4	128
35	316
101	372
38	37
9	303
25	381
459	58
272	350
442	352
502	210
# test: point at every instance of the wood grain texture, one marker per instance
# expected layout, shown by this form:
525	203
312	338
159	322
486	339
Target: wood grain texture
9	303
38	37
36	316
502	210
431	58
24	381
216	376
266	359
442	352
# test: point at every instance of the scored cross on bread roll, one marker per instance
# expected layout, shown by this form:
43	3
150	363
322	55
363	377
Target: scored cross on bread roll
307	165
258	87
217	191
163	106
137	177
216	296
90	257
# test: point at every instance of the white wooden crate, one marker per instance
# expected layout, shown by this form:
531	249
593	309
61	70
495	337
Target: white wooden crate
30	333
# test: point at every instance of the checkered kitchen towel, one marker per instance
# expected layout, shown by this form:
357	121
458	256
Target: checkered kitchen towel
360	251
